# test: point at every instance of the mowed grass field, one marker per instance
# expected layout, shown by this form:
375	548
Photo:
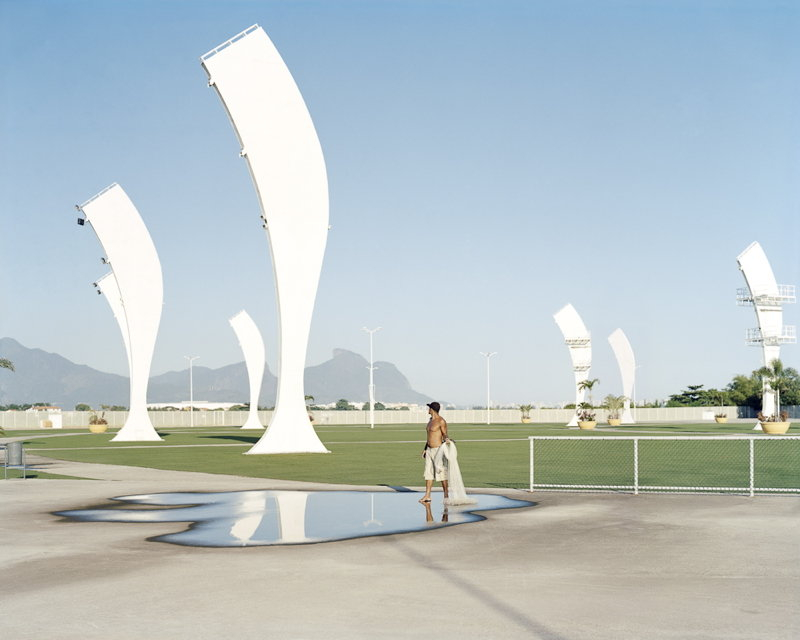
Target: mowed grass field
489	455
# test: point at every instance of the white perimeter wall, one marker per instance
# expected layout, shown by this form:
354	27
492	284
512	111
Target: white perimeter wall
31	420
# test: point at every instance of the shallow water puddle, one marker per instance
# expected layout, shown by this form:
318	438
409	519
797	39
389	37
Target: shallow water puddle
257	518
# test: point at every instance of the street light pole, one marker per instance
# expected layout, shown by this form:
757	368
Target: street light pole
371	332
488	354
191	359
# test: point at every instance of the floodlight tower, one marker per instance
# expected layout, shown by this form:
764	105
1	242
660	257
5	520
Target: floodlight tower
627	370
579	342
135	293
283	154
371	368
254	358
488	355
767	298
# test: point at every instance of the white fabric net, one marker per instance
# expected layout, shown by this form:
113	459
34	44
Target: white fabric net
458	493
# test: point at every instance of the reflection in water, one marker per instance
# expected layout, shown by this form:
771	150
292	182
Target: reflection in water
257	518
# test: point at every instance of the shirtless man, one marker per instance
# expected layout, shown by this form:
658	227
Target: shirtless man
433	454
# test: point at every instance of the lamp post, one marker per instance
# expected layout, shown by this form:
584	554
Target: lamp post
191	359
488	355
371	332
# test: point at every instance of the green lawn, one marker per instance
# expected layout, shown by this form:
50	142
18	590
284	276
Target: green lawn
490	456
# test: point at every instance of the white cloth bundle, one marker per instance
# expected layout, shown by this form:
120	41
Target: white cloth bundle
457	491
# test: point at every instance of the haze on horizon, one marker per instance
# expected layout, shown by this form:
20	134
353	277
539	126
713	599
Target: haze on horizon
488	162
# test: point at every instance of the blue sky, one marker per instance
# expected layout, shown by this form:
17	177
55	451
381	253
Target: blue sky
488	163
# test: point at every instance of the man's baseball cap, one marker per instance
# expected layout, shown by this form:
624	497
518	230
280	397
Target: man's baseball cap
435	406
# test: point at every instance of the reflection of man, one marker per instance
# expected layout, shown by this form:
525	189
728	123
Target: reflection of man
429	513
433	452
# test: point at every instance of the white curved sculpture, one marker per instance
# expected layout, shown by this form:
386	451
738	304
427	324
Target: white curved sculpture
627	369
283	153
107	285
579	342
137	298
254	358
767	297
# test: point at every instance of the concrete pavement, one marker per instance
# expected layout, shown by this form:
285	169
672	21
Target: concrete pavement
575	566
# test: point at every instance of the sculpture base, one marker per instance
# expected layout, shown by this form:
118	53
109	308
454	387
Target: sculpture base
137	428
289	432
253	422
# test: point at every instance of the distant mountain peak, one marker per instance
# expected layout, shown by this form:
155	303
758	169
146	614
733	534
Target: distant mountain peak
42	376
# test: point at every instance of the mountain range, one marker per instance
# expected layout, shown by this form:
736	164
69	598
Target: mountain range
40	376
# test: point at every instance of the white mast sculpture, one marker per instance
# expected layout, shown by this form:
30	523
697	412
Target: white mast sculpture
284	156
254	358
135	293
767	297
579	342
627	369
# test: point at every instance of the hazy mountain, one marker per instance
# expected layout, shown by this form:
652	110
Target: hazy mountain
48	377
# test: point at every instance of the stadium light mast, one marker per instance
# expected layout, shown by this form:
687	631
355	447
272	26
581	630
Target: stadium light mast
191	359
767	297
579	341
488	355
371	368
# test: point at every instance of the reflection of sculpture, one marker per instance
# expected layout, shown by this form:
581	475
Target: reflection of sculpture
255	518
286	164
767	297
134	291
254	357
627	369
580	350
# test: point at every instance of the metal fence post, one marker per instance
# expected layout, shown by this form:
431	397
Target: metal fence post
530	440
636	466
752	469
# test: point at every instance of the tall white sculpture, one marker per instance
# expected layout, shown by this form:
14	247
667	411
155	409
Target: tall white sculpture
254	358
283	153
627	369
767	297
579	342
135	293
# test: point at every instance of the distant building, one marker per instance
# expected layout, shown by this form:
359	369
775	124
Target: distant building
199	405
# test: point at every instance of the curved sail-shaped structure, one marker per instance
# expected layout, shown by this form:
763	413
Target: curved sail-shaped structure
107	285
767	298
254	358
626	362
138	295
579	341
284	156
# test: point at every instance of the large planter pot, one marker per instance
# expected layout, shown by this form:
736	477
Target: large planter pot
98	428
587	424
526	420
614	422
721	420
775	427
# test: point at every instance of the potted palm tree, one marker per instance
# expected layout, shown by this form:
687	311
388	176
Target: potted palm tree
525	410
586	414
614	404
98	424
775	375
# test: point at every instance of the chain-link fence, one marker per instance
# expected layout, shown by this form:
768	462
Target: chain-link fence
671	464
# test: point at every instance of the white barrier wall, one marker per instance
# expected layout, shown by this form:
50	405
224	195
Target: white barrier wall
167	419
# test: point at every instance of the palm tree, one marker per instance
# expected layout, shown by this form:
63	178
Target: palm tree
6	364
588	385
614	404
776	377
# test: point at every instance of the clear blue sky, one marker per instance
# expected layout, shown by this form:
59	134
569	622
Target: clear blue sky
488	163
